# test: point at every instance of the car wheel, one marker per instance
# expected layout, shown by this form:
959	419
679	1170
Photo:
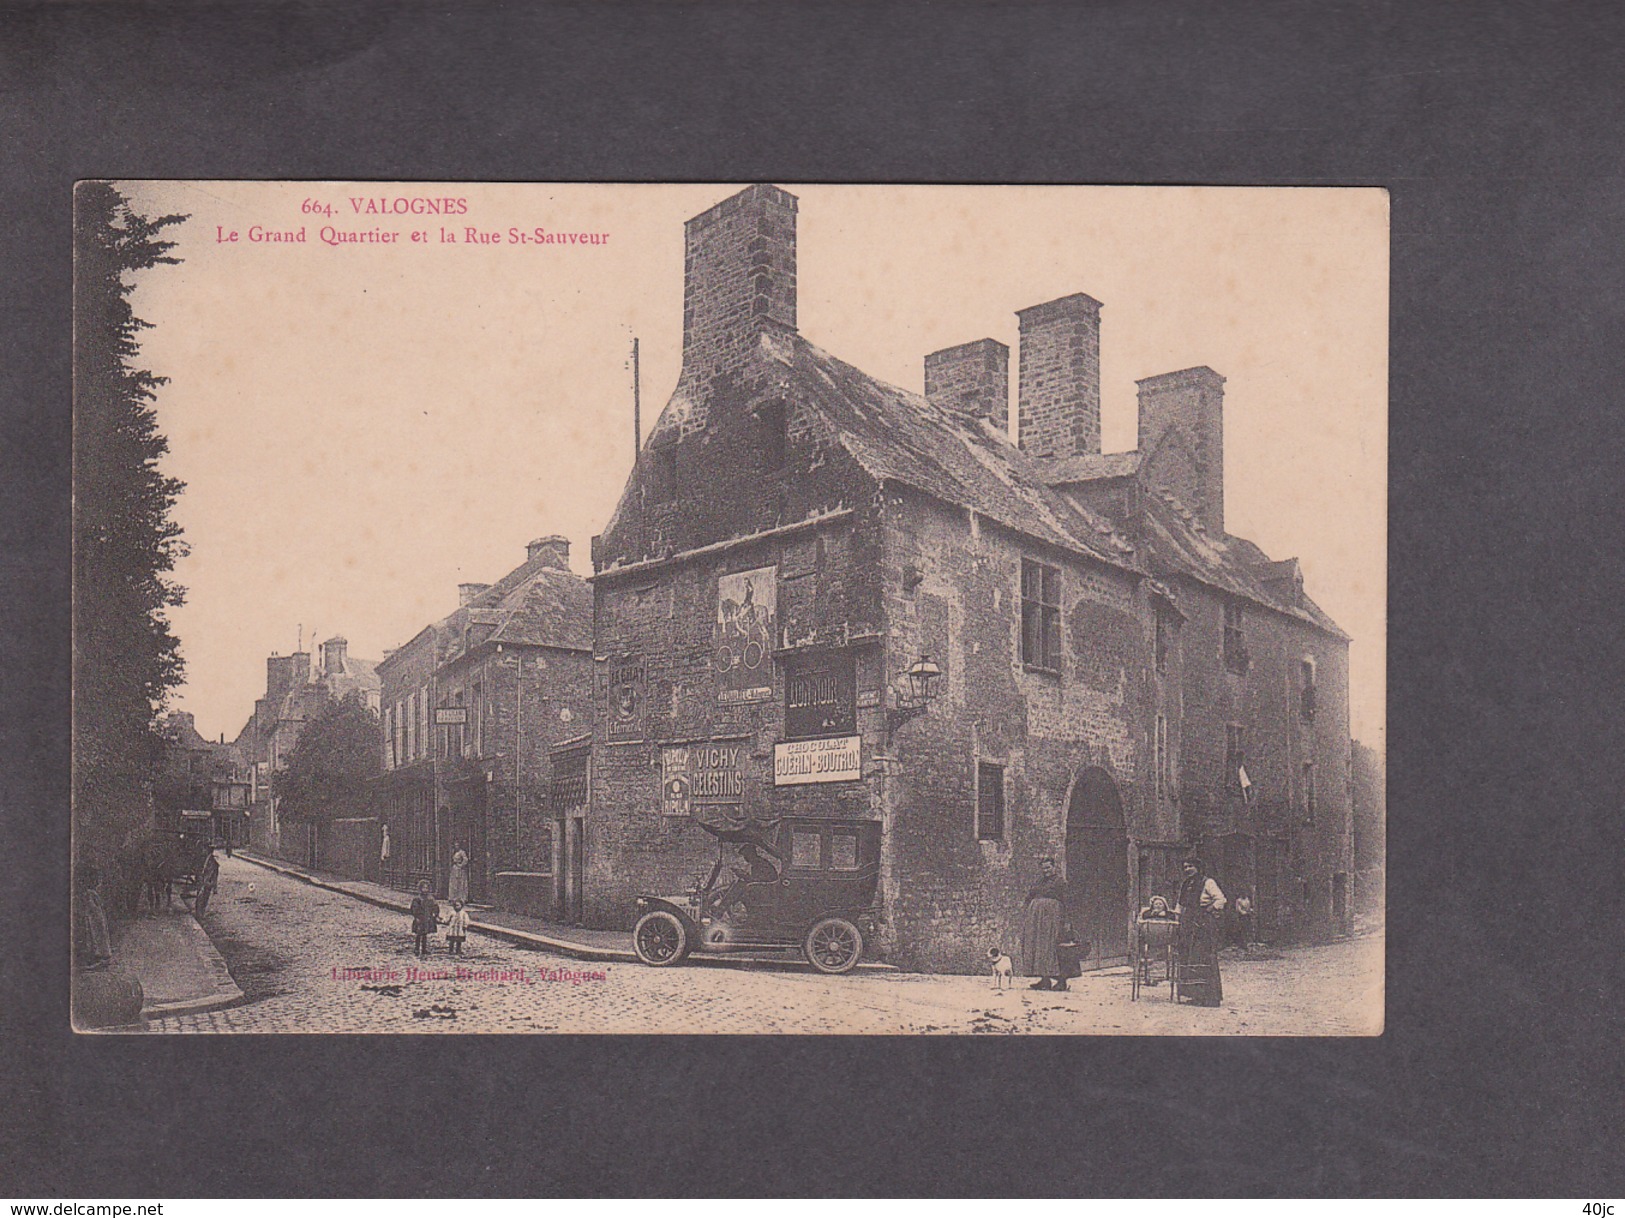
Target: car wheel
660	939
834	945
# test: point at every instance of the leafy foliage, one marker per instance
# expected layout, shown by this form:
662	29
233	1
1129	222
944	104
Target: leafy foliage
125	543
331	770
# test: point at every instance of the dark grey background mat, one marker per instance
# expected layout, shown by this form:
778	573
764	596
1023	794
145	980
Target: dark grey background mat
1496	128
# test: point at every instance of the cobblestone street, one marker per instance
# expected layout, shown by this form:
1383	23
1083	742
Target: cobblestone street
289	946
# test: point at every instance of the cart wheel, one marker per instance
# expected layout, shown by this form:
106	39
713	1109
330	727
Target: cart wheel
660	939
204	892
834	945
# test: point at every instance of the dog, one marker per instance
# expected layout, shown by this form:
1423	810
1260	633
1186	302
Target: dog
1003	970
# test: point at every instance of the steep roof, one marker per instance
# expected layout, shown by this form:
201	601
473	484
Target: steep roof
903	437
1229	563
536	604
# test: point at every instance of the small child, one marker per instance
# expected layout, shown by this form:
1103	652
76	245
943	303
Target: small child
456	928
425	917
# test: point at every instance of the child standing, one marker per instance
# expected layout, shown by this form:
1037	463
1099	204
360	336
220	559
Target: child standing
457	928
425	917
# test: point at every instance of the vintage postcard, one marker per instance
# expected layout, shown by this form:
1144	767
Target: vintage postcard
735	608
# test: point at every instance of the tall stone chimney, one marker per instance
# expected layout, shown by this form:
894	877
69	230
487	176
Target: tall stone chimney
553	551
1058	408
1190	401
973	378
333	652
739	277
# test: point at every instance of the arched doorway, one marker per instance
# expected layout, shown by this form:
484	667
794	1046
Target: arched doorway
1097	864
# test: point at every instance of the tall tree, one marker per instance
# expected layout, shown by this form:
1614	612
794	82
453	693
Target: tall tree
331	769
126	657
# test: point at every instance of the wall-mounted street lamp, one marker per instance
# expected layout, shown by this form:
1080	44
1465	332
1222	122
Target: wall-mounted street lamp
915	693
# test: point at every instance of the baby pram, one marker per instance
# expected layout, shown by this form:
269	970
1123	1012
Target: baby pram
1154	954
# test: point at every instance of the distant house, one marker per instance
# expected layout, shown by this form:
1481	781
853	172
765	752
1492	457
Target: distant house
295	690
486	719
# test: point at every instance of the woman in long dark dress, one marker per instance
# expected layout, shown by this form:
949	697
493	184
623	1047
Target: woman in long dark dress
1041	930
1199	907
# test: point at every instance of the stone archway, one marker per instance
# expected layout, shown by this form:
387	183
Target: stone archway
1097	870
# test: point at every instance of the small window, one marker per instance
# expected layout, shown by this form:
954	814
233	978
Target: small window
1164	769
806	848
1040	616
665	474
843	851
1163	627
1235	756
1236	658
772	428
989	802
1309	790
1306	690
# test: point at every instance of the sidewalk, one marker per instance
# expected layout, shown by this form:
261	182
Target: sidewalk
582	944
180	971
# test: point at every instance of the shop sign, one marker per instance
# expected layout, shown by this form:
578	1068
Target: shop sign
802	761
701	775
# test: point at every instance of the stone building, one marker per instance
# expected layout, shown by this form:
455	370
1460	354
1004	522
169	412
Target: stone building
295	690
796	535
482	712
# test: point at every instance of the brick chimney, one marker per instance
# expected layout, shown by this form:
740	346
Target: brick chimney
553	551
468	593
281	674
333	652
972	377
1058	408
739	277
1192	401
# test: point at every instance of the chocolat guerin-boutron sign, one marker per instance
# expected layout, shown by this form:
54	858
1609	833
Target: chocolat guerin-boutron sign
799	761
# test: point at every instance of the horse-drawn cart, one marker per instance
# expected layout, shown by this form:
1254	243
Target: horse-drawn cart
181	863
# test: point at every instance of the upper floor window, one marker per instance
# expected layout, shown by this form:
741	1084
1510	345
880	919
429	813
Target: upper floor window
1306	689
1236	658
664	474
1164	627
772	423
1040	615
1235	758
989	802
1163	763
1309	791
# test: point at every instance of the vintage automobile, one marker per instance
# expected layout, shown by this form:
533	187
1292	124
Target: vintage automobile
798	883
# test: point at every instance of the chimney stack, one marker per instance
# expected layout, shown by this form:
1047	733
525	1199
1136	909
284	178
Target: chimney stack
553	551
739	278
281	675
1058	406
468	593
973	378
333	652
1191	402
